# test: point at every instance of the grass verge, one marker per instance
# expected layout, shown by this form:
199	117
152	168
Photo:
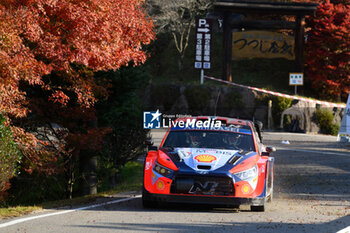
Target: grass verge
16	211
131	180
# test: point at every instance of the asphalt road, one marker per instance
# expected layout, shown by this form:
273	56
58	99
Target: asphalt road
311	194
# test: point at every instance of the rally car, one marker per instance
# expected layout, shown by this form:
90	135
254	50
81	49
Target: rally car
206	163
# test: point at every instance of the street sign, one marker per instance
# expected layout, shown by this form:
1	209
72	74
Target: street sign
296	79
203	43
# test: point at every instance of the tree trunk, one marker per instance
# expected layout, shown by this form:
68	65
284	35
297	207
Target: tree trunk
181	67
89	182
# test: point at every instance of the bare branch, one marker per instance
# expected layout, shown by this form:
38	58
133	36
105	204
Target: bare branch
177	17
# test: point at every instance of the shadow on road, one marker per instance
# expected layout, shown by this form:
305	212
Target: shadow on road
317	176
218	226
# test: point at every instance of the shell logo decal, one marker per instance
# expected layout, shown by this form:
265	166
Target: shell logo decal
205	158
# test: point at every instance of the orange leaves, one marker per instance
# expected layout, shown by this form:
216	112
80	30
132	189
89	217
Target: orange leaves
12	101
101	34
327	49
59	97
91	140
39	36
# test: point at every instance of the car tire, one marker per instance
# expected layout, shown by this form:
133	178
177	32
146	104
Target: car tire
146	202
269	197
257	208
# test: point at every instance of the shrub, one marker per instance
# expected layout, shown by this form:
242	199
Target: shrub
35	188
325	121
279	104
9	157
334	129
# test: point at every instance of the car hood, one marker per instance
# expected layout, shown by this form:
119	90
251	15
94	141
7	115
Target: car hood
207	159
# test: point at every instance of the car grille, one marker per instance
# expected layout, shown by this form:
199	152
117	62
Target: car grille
203	185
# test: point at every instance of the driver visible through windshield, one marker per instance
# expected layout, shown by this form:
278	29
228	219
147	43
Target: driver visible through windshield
210	139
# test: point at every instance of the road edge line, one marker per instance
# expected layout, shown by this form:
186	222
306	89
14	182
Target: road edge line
13	222
313	151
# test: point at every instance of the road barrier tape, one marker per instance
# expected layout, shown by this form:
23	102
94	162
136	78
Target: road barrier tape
328	104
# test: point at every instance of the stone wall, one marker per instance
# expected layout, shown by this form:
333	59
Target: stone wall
225	101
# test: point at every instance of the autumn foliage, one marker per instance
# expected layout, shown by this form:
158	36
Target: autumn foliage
39	37
328	49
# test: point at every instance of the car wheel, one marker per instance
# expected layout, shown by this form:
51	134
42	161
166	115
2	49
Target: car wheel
257	208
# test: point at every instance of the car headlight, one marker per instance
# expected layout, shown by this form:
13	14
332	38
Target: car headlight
247	174
162	170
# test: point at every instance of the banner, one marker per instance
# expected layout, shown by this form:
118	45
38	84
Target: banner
345	123
262	44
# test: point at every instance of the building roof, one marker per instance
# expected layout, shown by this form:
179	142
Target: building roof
265	7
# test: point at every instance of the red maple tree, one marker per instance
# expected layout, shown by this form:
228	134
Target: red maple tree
328	49
40	36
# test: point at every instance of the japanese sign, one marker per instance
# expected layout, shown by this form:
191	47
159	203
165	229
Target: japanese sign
203	43
296	79
262	44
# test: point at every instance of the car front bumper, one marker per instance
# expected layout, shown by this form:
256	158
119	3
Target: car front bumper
203	199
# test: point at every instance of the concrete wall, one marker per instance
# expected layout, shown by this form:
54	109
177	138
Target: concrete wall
222	101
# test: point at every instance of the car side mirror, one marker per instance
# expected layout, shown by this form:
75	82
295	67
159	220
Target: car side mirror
270	149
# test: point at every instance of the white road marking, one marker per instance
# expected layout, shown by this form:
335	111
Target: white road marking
6	224
314	151
345	230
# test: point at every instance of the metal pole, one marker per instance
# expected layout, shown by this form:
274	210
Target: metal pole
269	115
202	76
295	90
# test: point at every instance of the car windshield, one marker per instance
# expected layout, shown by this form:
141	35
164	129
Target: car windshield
210	139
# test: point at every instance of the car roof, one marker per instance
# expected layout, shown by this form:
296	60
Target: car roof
227	120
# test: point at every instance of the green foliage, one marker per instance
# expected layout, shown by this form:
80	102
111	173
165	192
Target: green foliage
165	94
324	117
30	189
197	98
9	157
123	113
334	129
131	171
325	121
48	193
279	104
